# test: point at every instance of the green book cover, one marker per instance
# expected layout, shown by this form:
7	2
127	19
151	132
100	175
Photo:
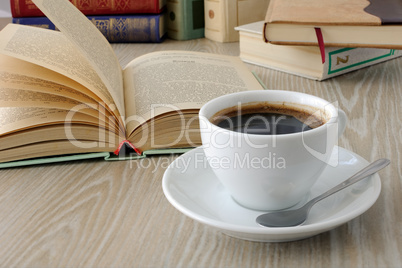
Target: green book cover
107	156
185	19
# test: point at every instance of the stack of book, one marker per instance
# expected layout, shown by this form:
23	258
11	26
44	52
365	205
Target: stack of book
319	39
306	61
120	21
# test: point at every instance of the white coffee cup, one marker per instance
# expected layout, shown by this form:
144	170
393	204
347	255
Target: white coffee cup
270	172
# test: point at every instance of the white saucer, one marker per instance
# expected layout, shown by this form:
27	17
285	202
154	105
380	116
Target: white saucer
191	187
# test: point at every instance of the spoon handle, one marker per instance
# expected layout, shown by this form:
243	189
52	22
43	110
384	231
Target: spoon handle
369	170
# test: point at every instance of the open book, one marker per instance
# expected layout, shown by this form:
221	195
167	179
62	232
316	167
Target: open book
65	92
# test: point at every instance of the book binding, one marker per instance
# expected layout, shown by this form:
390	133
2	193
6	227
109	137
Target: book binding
26	8
127	142
117	29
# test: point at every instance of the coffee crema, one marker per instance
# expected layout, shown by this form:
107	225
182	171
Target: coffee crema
265	118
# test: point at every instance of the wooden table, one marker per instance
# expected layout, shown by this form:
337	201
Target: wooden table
114	214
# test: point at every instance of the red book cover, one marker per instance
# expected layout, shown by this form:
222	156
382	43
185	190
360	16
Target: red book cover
26	8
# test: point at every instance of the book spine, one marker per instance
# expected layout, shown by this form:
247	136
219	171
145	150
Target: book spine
219	16
117	29
222	16
41	22
26	8
185	19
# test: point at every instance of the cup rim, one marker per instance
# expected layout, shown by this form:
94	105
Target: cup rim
333	111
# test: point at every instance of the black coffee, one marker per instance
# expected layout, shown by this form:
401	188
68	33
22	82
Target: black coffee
266	119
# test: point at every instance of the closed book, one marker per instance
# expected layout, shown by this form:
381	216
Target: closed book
145	28
26	8
343	23
222	16
185	19
306	61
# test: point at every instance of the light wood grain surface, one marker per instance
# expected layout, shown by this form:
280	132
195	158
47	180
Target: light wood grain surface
114	214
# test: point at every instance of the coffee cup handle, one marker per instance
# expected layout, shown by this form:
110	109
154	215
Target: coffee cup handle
342	120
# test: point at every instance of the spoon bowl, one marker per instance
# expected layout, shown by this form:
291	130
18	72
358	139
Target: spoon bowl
288	218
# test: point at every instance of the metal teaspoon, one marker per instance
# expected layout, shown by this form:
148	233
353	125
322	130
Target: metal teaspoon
296	217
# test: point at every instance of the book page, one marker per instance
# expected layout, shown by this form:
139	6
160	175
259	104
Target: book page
26	43
89	41
28	108
14	97
80	133
19	90
16	67
20	118
51	137
29	84
174	80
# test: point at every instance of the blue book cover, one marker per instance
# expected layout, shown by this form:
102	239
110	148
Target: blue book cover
149	28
